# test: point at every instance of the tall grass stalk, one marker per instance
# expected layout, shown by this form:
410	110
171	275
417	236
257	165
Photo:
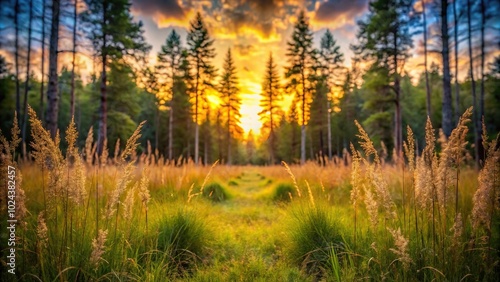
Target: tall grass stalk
292	176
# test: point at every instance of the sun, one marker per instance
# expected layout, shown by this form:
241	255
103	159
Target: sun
250	118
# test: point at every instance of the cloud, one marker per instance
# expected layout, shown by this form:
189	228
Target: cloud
256	17
164	12
339	12
244	49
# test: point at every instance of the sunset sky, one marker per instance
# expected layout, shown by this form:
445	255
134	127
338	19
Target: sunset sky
252	29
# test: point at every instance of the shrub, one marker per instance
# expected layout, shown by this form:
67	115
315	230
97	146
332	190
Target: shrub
283	191
215	192
182	240
232	183
314	238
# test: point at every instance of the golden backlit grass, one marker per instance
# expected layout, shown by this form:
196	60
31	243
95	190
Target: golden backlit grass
139	217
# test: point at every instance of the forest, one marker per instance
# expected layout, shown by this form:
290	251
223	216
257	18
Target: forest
245	119
192	106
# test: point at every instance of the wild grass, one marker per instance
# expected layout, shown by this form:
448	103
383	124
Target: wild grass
283	192
215	192
315	238
182	242
123	216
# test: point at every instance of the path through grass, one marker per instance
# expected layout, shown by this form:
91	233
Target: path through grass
248	226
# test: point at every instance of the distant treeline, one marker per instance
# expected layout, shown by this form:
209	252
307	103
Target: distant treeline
327	96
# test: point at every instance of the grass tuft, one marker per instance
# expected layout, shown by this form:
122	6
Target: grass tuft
215	192
314	237
183	241
284	192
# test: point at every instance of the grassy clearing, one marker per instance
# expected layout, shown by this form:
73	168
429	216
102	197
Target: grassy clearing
135	218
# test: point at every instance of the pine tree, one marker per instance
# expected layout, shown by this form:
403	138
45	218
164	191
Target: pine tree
385	38
270	99
331	59
115	37
231	101
169	60
201	53
300	73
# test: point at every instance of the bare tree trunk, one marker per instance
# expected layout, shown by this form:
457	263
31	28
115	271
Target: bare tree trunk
16	59
473	82
447	107
170	132
229	160
427	86
103	111
205	148
329	124
398	131
42	112
196	105
271	134
294	141
481	99
72	91
219	133
303	127
399	120
27	82
157	126
207	136
52	91
457	86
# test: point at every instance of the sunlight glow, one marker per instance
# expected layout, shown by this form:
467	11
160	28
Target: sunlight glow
250	118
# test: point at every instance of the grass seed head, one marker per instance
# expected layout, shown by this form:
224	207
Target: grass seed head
401	250
98	248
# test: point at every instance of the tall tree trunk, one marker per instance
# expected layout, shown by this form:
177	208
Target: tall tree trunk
52	91
157	126
303	127
481	95
271	105
207	136
42	112
294	141
73	62
457	86
171	132
447	107
473	83
229	160
329	124
272	142
196	105
321	147
171	113
398	124
103	111
397	86
219	133
17	11
483	26
427	86
188	139
27	82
